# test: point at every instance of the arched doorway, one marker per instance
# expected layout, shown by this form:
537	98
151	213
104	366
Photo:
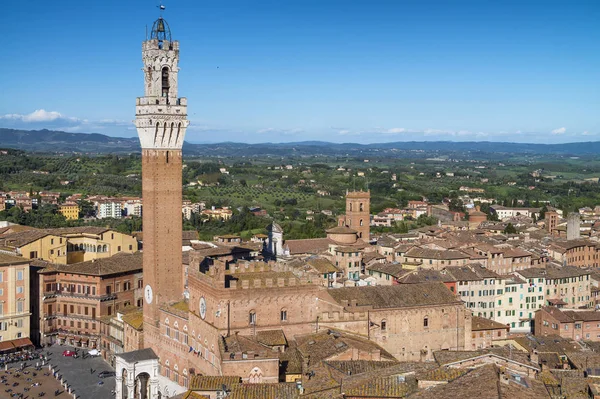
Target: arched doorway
142	386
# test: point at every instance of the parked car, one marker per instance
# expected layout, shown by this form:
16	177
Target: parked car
69	353
105	374
94	352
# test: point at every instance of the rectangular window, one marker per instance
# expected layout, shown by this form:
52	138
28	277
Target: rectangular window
168	331
19	306
1	277
20	289
20	275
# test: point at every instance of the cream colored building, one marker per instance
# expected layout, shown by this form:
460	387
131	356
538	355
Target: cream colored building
87	242
14	297
36	244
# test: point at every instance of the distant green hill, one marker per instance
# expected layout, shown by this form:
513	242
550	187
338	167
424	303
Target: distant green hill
57	141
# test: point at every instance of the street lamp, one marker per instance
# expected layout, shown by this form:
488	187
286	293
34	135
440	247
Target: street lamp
134	383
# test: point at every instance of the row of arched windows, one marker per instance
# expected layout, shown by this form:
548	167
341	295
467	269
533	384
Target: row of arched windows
87	247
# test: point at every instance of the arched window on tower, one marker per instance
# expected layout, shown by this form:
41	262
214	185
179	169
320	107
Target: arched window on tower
361	222
165	82
350	206
360	206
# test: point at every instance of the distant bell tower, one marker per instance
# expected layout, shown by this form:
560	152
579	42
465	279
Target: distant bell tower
161	121
358	214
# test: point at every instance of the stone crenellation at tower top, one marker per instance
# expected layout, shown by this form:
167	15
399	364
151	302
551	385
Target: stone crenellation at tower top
161	116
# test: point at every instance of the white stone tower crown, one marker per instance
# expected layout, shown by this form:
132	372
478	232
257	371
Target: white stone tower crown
161	117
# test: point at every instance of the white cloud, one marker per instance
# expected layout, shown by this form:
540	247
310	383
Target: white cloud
54	120
39	115
560	130
396	130
344	132
282	132
587	133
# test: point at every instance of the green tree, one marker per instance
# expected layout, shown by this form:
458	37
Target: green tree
510	229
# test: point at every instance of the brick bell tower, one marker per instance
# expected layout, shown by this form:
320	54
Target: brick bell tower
358	216
161	122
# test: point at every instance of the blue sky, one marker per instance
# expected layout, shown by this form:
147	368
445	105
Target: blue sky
341	71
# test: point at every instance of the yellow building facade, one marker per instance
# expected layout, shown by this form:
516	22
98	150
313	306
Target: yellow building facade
69	210
36	244
14	298
88	243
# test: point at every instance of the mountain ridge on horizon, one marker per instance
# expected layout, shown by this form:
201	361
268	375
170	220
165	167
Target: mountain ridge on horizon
46	140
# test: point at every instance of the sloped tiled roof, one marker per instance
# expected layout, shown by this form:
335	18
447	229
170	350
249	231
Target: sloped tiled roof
16	240
212	383
482	324
326	344
393	269
308	246
426	253
79	230
395	296
341	230
381	387
6	259
322	265
134	319
280	390
15	228
271	337
479	383
119	263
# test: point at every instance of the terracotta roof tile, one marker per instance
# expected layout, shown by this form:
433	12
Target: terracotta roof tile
393	269
6	259
212	383
482	324
119	263
271	337
16	240
426	253
135	319
395	296
265	391
308	246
